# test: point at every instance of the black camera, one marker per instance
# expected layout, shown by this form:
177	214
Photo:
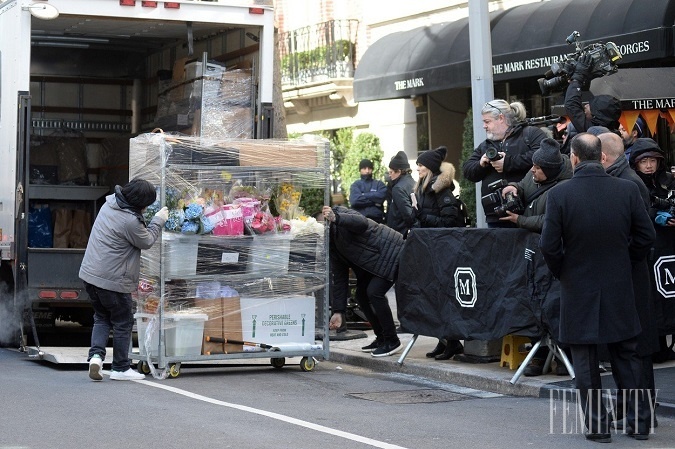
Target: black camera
665	204
493	154
604	56
494	204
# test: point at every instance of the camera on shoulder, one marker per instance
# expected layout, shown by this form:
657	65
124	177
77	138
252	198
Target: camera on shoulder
604	59
494	204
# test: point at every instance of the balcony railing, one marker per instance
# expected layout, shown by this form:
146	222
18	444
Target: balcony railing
318	53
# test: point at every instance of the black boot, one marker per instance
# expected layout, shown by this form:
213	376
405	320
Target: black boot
439	349
453	347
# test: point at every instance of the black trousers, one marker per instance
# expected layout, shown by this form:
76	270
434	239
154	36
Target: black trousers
371	295
627	369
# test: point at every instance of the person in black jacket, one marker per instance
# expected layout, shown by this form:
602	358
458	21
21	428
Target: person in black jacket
435	206
399	188
649	163
595	228
616	165
367	195
371	250
513	142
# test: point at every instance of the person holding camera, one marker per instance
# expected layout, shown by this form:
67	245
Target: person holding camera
601	110
506	154
648	161
549	168
435	206
592	256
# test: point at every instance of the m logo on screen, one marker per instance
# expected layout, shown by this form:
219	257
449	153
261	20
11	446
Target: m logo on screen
664	272
465	286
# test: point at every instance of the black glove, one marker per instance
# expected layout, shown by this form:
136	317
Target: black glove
582	71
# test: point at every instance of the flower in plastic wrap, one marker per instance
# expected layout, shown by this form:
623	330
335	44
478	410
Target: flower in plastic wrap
262	223
306	226
175	221
206	225
193	211
189	227
287	201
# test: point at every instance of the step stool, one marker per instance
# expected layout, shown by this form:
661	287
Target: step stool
511	355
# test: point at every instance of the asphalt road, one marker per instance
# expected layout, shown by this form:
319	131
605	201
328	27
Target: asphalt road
50	406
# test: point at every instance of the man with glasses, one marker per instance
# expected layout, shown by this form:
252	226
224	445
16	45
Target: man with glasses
507	151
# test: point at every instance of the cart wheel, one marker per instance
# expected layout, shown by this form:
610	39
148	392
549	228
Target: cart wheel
143	367
278	362
307	363
174	370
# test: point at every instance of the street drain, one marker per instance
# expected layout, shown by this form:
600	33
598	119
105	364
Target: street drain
411	396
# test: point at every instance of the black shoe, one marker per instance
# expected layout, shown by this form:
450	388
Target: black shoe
637	435
454	347
438	350
372	346
599	437
387	348
534	368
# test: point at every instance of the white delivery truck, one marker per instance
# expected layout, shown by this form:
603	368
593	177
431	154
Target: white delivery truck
79	78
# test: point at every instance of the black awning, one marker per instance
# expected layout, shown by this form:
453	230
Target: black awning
525	41
639	89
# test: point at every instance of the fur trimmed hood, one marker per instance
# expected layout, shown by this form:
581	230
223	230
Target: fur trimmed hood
445	179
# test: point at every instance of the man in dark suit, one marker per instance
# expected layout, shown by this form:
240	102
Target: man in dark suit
595	228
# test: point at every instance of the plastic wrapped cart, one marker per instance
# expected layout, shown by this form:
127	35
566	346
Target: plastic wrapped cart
240	271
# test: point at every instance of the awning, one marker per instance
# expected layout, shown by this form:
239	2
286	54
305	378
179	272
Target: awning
525	41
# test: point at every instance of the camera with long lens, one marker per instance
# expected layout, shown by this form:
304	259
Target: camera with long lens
496	205
604	57
493	154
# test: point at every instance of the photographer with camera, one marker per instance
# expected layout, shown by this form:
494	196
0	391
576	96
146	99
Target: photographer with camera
549	168
648	161
506	154
602	110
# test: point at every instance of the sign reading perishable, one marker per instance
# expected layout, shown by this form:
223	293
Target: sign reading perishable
278	320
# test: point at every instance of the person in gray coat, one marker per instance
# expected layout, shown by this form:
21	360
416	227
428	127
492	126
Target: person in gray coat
110	270
399	188
595	228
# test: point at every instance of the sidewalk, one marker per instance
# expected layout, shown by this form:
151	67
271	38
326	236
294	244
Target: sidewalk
482	376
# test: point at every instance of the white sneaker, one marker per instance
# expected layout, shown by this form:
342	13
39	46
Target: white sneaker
95	364
126	375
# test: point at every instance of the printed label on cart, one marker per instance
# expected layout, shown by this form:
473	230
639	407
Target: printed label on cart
278	320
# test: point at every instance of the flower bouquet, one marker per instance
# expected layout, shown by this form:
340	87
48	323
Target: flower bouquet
287	201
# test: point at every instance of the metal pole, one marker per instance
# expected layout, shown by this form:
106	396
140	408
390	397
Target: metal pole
482	89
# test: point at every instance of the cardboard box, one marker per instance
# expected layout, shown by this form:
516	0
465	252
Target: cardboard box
224	321
278	320
287	154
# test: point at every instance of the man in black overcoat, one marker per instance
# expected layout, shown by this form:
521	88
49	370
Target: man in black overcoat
595	228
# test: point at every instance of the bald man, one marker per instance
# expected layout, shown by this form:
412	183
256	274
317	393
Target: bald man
615	164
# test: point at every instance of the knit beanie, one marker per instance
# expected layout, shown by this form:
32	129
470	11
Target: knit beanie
548	158
365	163
432	159
399	162
139	193
597	130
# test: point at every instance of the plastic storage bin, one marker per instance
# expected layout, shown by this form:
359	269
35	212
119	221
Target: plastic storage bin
183	333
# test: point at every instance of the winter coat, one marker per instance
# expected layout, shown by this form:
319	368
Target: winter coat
595	228
648	341
532	218
112	260
362	243
367	197
437	206
519	145
399	204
